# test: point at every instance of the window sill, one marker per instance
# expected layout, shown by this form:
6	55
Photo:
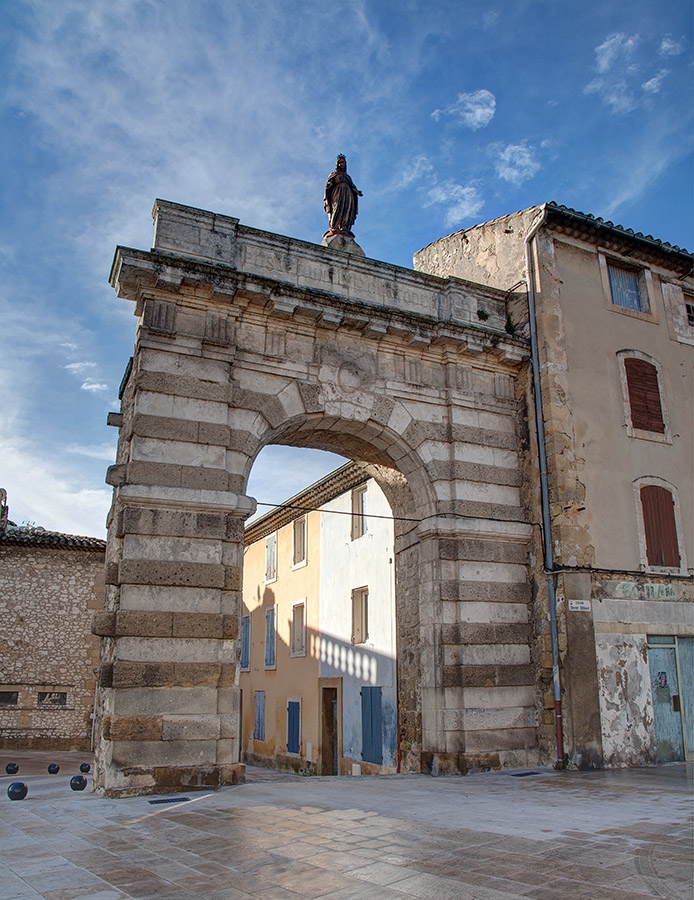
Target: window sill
655	436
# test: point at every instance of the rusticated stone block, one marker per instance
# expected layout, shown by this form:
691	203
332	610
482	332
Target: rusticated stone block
105	675
182	386
139	674
190	728
230	628
203	478
486	634
135	728
198	625
234	774
104	623
161	474
171	778
164	427
212	433
196	674
232	579
184	574
227	676
111	574
484	551
143	624
478	762
487	676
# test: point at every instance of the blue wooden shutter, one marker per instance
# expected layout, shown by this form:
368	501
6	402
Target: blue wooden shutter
293	712
259	716
270	637
246	642
371	725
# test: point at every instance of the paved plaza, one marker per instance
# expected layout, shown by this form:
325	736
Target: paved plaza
540	834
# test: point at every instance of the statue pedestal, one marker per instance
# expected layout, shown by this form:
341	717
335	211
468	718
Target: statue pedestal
340	242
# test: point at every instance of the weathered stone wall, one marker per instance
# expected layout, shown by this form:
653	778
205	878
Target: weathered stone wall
47	595
245	339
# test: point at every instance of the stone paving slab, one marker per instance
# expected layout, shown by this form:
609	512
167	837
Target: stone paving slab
614	835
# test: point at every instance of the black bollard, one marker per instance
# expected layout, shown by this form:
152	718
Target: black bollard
12	768
53	769
78	782
85	767
17	790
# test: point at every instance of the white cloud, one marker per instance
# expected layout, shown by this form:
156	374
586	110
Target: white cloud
78	368
94	387
516	163
420	167
462	202
616	48
475	110
668	47
653	85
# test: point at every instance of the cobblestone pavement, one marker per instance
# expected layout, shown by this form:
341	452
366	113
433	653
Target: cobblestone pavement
617	835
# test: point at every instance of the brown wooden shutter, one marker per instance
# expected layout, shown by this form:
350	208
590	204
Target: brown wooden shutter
659	524
644	395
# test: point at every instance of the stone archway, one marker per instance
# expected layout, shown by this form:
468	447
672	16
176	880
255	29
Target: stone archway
247	338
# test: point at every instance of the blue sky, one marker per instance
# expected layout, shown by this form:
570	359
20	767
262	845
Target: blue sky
450	113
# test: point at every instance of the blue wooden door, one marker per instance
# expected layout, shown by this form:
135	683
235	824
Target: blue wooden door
293	726
371	725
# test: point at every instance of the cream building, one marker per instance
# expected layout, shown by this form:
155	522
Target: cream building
613	319
318	663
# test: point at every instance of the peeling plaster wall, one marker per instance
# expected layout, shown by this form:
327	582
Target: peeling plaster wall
626	705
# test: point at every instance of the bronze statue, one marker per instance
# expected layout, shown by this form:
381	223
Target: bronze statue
341	200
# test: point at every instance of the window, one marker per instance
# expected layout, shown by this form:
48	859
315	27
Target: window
625	289
245	643
293	726
259	716
298	629
299	534
271	558
644	395
358	512
9	698
52	698
371	725
270	638
660	528
360	615
690	314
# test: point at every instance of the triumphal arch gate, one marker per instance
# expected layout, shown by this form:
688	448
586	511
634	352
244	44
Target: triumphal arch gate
247	338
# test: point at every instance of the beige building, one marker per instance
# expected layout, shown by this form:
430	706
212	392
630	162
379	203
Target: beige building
611	321
318	662
50	584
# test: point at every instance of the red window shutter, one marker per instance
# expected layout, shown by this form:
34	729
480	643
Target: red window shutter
659	524
644	395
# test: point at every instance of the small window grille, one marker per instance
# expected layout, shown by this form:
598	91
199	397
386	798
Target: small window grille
52	698
690	314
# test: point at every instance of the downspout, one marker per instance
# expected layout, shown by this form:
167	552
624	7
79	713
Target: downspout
544	488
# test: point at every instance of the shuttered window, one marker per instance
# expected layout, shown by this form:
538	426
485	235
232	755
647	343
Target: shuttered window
246	642
293	726
624	288
644	395
259	716
662	548
270	638
371	725
271	558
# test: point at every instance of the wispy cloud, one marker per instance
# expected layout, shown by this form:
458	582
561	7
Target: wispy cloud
105	452
461	201
653	85
668	47
474	110
79	368
419	167
617	48
517	163
94	387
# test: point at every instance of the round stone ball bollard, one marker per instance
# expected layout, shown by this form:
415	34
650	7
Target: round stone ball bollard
53	769
78	783
12	768
84	768
17	790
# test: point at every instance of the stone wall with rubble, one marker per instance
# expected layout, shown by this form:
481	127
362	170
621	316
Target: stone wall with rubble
47	650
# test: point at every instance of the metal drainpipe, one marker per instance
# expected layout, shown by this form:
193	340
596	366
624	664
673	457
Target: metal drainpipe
542	455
